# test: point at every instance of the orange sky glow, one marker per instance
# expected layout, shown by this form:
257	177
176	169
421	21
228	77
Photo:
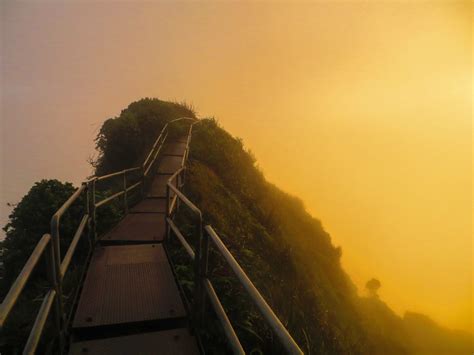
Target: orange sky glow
362	109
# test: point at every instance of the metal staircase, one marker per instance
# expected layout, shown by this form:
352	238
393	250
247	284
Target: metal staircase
130	301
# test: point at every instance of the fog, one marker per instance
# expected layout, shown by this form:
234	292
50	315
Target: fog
363	110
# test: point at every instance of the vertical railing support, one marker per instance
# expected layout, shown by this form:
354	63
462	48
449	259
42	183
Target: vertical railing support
143	181
92	211
53	280
125	197
58	278
203	270
88	211
168	213
198	294
177	184
184	175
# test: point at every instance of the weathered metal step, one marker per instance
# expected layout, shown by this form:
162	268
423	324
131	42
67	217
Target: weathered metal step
137	228
150	205
181	139
158	186
169	164
175	341
176	148
127	285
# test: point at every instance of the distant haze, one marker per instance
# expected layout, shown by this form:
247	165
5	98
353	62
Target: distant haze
362	109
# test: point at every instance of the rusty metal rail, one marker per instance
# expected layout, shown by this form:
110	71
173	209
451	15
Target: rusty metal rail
58	268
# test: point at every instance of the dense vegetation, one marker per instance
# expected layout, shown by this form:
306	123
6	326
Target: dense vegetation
292	260
29	220
123	141
284	250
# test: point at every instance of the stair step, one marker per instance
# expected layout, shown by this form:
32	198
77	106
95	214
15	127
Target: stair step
176	148
137	228
128	284
158	186
175	341
169	164
150	205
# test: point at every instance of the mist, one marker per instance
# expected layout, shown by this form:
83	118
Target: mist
363	110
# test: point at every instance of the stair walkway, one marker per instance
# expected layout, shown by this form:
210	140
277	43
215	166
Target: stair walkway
130	301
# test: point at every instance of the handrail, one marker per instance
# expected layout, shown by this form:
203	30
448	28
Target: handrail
40	321
183	198
57	268
14	293
154	145
110	198
160	135
203	284
66	205
72	247
108	176
180	237
272	319
12	296
220	312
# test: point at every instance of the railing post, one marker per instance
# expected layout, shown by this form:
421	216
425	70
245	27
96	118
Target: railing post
57	263
198	294
92	211
168	213
177	184
53	280
58	277
184	176
143	181
203	269
125	198
88	211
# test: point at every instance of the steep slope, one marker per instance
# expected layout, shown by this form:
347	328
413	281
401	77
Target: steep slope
285	250
293	262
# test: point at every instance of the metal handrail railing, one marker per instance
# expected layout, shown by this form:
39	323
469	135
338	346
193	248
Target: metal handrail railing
18	286
229	331
20	283
266	311
57	268
199	256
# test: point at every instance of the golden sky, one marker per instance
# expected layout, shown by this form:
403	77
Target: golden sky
362	109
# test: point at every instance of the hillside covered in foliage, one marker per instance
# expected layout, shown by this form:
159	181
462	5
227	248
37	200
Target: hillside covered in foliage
293	261
285	251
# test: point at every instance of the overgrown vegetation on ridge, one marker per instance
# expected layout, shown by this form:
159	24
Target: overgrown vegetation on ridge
124	141
292	260
121	143
284	250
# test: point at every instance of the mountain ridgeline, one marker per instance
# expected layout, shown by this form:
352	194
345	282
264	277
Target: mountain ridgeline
293	262
285	251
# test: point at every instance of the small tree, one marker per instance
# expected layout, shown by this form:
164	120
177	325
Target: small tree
373	286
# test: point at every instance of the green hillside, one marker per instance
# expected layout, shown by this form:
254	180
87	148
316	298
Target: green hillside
285	251
293	262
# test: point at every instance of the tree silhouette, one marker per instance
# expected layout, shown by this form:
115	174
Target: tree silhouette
373	286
